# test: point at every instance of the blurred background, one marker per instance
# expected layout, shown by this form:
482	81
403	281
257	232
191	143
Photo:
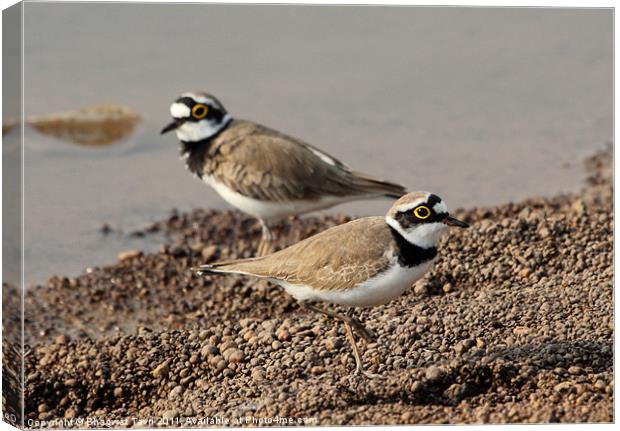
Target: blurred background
480	105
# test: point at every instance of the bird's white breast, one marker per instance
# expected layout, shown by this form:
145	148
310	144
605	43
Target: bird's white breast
268	210
377	290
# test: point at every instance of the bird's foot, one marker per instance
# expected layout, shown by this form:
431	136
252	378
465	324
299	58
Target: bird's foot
362	372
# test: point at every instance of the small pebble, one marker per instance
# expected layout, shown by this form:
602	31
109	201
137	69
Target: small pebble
433	373
161	370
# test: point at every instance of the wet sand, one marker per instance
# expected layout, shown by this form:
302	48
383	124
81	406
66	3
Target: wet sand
514	324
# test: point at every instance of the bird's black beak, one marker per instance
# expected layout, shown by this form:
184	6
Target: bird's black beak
174	125
451	221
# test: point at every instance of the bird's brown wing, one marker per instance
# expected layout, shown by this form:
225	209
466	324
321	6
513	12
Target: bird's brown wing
264	164
336	259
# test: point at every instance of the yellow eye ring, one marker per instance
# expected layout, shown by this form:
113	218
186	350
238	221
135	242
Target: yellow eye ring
200	111
422	212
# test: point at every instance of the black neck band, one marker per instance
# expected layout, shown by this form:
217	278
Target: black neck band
410	254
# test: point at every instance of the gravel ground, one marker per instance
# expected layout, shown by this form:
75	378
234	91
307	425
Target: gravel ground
514	324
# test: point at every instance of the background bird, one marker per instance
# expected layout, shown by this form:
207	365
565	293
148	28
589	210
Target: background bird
263	172
363	263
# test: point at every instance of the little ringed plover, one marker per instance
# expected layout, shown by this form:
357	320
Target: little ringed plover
263	172
363	263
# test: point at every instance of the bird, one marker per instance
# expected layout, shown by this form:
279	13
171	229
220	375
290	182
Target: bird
363	263
260	171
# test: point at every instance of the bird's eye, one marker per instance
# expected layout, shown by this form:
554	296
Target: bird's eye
422	212
199	111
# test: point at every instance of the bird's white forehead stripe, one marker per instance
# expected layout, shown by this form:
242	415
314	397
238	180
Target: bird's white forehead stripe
179	110
440	207
197	97
410	205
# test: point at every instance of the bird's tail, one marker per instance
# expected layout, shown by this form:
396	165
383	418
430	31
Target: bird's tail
372	185
249	266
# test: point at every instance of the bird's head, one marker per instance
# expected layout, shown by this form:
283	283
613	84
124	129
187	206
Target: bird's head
421	218
196	117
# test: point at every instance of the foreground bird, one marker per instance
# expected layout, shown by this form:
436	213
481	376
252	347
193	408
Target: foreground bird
260	171
363	263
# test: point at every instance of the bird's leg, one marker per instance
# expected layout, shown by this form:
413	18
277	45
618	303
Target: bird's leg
264	246
359	368
361	330
349	324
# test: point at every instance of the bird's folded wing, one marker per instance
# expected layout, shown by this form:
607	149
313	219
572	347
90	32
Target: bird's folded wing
264	164
336	259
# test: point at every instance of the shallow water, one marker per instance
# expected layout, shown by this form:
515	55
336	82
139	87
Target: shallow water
480	105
